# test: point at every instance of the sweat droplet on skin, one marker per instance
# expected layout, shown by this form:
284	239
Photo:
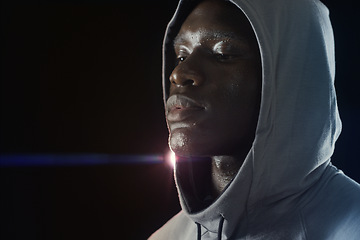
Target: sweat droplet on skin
177	141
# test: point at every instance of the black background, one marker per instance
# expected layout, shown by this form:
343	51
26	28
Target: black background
85	77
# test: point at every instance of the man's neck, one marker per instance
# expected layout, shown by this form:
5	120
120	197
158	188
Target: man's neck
223	170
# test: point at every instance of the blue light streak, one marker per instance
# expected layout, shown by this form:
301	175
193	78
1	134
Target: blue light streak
29	160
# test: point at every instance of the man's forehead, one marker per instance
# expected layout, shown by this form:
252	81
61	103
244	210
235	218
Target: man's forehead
202	34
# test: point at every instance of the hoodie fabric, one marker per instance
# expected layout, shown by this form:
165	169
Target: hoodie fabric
287	187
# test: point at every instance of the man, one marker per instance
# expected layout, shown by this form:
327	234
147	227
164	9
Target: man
252	114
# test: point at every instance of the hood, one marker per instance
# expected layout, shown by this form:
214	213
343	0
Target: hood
298	121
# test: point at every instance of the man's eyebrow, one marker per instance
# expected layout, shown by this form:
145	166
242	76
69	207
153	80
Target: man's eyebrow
213	35
222	35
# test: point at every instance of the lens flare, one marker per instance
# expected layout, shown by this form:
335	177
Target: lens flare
171	159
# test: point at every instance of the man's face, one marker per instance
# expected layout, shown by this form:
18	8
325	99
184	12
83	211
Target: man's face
215	89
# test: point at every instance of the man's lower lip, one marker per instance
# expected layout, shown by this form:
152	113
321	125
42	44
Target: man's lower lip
178	115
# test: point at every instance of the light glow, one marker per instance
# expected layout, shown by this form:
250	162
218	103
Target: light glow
171	159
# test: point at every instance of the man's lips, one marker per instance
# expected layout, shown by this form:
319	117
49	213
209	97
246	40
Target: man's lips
180	108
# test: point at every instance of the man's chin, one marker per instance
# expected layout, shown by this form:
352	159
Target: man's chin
179	143
185	145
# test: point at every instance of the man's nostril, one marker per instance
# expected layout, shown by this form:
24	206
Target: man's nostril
184	83
188	83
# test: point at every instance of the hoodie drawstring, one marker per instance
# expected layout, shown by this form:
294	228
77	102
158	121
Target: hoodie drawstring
221	224
198	231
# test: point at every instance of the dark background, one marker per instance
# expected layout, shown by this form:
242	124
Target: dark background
85	77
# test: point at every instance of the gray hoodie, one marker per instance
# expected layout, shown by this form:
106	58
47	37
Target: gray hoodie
287	187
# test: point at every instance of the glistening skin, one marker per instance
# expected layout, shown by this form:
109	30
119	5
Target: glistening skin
215	89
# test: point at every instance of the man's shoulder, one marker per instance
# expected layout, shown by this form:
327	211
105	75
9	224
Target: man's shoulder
343	189
336	188
335	208
170	230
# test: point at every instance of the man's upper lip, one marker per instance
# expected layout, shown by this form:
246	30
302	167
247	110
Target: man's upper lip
181	102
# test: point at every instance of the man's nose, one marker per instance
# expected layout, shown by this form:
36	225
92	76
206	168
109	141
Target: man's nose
188	72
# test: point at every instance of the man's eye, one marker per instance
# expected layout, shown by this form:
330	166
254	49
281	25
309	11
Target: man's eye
180	59
223	57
